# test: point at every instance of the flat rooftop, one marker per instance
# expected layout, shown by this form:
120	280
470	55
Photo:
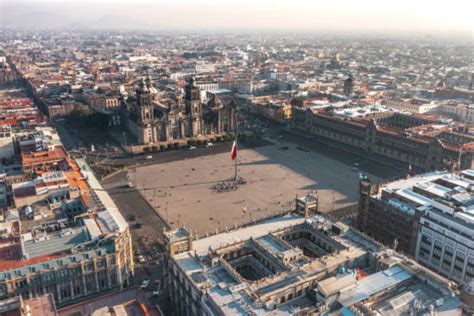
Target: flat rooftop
220	271
449	194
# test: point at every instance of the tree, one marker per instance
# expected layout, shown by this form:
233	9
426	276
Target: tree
297	102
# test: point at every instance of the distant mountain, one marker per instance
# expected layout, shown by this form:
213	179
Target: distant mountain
28	16
50	15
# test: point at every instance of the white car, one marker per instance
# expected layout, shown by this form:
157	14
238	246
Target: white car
192	147
149	157
145	284
210	144
156	293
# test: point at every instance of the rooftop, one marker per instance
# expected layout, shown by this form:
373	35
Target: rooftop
449	194
235	290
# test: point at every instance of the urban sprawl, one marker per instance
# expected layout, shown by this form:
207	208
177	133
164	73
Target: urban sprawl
144	173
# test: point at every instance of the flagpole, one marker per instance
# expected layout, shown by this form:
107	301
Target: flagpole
236	147
235	164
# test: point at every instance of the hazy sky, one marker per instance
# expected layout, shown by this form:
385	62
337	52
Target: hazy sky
377	15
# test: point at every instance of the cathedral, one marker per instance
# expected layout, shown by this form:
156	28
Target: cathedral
152	119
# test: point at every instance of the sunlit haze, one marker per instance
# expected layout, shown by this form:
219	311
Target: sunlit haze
367	15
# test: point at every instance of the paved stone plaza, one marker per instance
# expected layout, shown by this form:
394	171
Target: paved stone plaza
182	191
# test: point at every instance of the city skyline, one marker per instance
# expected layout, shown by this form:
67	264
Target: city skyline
403	17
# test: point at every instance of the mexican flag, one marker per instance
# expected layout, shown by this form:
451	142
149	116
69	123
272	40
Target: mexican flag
233	153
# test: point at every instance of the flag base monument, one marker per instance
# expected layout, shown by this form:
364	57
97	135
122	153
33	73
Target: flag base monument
234	183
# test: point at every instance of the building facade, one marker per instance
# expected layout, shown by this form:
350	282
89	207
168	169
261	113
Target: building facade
427	216
416	106
385	222
152	122
423	141
348	86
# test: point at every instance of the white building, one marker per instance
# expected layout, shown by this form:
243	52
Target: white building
416	106
207	85
446	237
461	112
204	67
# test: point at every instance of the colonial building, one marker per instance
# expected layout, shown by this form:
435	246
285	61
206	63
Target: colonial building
69	239
153	121
424	141
298	264
412	105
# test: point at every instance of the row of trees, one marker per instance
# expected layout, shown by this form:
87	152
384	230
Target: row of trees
85	118
193	142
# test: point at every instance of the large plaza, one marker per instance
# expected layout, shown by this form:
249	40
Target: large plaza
183	191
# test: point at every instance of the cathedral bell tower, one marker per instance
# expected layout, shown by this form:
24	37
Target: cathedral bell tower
147	130
145	106
193	98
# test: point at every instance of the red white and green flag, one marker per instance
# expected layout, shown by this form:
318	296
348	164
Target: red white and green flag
233	153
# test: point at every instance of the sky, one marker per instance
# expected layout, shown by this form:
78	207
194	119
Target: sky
337	15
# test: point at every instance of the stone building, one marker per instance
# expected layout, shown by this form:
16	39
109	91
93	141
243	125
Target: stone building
297	264
152	121
348	86
427	216
385	222
420	140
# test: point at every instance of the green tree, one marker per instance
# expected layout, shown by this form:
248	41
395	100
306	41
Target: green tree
297	102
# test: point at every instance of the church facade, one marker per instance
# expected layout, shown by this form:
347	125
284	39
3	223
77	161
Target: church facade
151	121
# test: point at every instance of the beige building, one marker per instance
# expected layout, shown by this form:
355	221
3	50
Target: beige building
416	106
461	112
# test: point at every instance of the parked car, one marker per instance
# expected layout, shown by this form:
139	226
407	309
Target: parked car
192	147
209	144
145	284
149	157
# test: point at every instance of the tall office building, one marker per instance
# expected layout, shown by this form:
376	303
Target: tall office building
428	216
